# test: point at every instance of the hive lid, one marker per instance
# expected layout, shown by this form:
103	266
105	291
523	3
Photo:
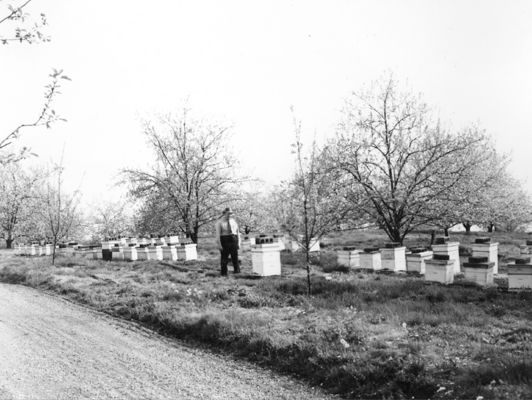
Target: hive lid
442	240
349	248
371	250
477	260
482	240
417	250
483	265
392	245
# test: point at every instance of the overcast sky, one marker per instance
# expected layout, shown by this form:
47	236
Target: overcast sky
247	62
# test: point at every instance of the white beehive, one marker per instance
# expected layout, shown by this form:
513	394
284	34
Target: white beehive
187	251
247	243
371	260
130	253
97	253
480	273
155	253
415	262
117	254
266	259
520	276
172	239
279	239
441	271
48	249
449	249
142	253
489	250
393	258
170	253
348	258
143	241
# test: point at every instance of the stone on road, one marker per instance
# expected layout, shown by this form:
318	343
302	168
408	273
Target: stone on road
53	349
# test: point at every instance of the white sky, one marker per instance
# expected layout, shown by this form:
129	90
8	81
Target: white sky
248	61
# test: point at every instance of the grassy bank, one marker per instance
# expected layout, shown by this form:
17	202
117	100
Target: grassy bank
362	335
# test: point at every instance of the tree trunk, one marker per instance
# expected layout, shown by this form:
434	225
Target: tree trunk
395	236
309	288
193	236
9	243
446	232
432	236
53	250
467	226
491	227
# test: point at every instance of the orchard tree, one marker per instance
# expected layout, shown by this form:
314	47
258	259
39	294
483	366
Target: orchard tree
59	210
156	216
402	160
111	219
256	212
16	25
504	206
463	202
314	202
193	175
18	192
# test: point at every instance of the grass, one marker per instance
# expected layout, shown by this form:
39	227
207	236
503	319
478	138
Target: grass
360	334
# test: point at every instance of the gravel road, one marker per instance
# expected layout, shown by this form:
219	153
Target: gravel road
53	349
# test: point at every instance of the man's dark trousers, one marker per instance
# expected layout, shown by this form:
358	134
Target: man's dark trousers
229	247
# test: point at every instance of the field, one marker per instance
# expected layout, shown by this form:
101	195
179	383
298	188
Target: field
360	334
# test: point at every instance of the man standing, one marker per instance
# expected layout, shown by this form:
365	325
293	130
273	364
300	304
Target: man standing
228	237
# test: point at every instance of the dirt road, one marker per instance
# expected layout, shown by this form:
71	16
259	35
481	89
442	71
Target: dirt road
52	349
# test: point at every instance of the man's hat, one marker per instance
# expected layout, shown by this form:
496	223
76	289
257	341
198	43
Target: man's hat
228	210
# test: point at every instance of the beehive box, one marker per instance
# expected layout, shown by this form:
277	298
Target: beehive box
130	253
520	275
439	270
348	257
266	259
483	247
155	253
170	253
247	243
449	249
393	257
415	261
187	251
143	253
48	249
97	253
117	253
280	241
172	239
371	259
479	270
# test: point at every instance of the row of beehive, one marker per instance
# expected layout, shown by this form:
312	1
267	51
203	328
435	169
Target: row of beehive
442	262
283	242
34	250
133	252
161	240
